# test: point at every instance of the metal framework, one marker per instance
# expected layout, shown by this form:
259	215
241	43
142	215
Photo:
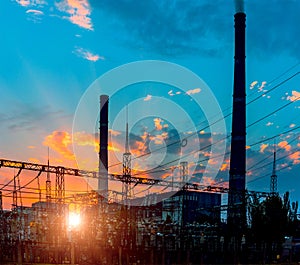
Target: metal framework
273	183
48	184
126	187
62	171
60	185
1	204
184	171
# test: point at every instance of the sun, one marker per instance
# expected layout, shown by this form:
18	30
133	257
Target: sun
74	219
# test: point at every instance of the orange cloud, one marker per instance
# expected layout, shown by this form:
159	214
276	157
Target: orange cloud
60	141
263	147
34	160
224	167
79	12
213	161
83	53
262	86
85	139
113	132
253	84
295	96
208	181
88	139
157	124
295	157
193	91
23	2
159	139
284	145
148	98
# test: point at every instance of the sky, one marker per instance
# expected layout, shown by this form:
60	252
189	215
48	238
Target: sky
57	57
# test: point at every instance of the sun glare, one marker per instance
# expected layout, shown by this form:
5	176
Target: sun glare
74	219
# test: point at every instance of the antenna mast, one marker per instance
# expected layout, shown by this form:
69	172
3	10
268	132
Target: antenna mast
126	165
48	183
273	184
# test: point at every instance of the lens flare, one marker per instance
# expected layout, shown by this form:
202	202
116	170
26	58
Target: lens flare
74	219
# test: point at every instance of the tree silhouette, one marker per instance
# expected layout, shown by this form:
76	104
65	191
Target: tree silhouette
270	221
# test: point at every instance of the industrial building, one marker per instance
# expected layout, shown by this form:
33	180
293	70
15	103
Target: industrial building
44	234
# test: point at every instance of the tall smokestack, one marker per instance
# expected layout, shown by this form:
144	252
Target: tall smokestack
103	150
236	197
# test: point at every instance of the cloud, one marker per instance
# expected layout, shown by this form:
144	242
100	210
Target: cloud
208	181
224	167
196	28
171	93
203	27
253	84
149	97
263	147
295	157
262	86
34	15
35	12
158	139
26	117
295	96
113	132
60	141
284	145
193	91
269	123
79	12
88	55
89	139
85	139
34	160
157	124
28	3
23	2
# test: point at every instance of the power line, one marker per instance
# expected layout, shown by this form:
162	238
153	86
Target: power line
274	136
273	88
287	155
273	112
267	175
226	116
271	154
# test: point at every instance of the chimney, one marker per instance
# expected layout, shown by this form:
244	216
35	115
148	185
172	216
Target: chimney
103	151
236	215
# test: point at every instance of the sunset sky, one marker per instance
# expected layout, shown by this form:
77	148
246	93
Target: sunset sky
52	53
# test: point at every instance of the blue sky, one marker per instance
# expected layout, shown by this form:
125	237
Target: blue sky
53	51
